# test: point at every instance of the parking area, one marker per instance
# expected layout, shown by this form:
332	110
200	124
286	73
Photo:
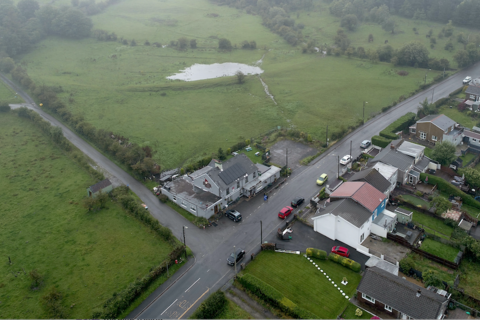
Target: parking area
390	249
296	152
304	237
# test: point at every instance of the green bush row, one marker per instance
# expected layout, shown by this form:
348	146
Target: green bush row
346	262
445	186
400	124
120	301
212	307
381	141
274	297
316	253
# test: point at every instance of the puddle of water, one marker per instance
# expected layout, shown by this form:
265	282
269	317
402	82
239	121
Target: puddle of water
216	70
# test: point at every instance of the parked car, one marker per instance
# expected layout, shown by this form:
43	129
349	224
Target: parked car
297	201
341	251
285	212
321	180
467	80
238	255
234	215
365	144
346	159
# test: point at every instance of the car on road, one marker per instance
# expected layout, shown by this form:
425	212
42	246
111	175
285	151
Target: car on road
467	80
365	144
234	215
285	212
297	201
238	255
346	159
341	251
321	180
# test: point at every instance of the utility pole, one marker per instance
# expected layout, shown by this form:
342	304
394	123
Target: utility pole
364	102
444	72
235	254
433	91
350	148
261	233
338	163
326	137
184	244
286	158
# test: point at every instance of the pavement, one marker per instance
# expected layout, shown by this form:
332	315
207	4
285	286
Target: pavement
212	245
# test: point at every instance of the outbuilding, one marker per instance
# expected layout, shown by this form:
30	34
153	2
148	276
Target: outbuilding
104	186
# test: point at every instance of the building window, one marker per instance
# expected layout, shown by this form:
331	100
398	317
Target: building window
228	191
254	173
434	138
388	308
423	135
472	97
362	237
474	140
246	179
175	198
193	208
238	184
413	130
364	296
183	204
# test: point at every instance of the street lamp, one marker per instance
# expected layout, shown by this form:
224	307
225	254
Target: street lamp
184	245
261	233
235	257
426	76
364	111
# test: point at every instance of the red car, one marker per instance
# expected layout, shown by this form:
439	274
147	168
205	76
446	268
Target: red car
285	212
341	251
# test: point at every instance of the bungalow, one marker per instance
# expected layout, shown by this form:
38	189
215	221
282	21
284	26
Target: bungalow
472	138
437	128
399	297
472	93
104	186
353	207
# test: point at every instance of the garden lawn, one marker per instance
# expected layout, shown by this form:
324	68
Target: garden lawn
467	158
349	313
470	278
439	249
87	256
233	312
423	264
431	224
296	278
458	116
415	201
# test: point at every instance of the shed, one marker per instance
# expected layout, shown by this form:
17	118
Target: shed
403	216
105	186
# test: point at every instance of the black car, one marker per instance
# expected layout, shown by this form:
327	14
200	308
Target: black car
234	215
297	201
240	255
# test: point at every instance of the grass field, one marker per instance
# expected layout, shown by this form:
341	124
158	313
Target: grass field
87	256
233	312
123	94
458	116
299	281
439	249
349	313
431	224
414	200
8	95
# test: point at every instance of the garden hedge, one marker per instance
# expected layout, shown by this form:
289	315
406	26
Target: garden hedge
212	307
316	253
346	262
400	124
381	141
274	297
445	186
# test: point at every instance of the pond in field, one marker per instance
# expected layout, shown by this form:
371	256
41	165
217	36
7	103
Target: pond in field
216	70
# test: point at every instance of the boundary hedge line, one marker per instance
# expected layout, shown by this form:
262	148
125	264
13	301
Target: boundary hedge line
381	141
398	125
346	262
211	307
316	253
274	297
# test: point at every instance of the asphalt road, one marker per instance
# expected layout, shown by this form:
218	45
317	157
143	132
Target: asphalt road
212	246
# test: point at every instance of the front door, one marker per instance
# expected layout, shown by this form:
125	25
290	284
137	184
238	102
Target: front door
423	135
411	179
216	209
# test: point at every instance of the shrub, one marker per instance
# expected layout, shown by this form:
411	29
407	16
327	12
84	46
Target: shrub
400	124
419	193
381	141
406	264
52	304
163	198
346	262
336	258
4	108
212	307
316	253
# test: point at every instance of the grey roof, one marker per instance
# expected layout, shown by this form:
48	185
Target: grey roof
373	177
200	172
188	191
101	185
473	90
440	120
394	158
232	169
411	149
349	210
414	173
422	165
401	294
261	168
375	261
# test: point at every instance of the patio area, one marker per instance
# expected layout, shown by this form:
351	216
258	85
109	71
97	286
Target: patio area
411	235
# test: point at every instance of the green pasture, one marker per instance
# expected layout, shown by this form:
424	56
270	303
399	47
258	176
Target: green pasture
439	249
306	281
322	27
87	256
8	95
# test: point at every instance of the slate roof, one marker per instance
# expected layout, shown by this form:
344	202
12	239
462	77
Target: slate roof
471	134
422	165
191	193
348	210
99	186
394	158
232	169
473	90
411	149
373	177
401	294
441	121
361	192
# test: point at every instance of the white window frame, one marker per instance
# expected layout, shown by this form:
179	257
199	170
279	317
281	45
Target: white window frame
423	135
388	308
184	204
434	138
175	198
254	174
246	179
228	191
365	297
193	208
362	237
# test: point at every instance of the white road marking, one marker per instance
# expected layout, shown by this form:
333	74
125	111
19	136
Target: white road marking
192	285
169	306
208	270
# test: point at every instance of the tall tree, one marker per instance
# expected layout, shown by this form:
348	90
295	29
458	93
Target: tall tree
444	153
27	8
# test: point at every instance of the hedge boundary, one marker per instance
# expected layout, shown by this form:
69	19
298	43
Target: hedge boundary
400	124
317	253
274	297
346	262
214	305
381	141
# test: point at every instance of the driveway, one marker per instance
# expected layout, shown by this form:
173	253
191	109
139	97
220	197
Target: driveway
305	237
390	249
296	152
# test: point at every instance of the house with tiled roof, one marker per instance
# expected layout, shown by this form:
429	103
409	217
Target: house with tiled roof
354	210
400	298
376	179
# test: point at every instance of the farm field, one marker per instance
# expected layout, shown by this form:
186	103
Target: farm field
86	256
307	282
7	95
124	89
